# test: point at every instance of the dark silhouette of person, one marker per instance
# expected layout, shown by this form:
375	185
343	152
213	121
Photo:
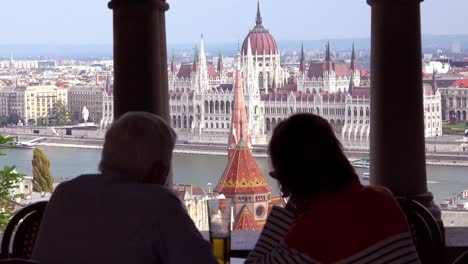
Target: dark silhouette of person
124	214
330	216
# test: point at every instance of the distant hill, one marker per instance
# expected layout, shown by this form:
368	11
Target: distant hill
45	51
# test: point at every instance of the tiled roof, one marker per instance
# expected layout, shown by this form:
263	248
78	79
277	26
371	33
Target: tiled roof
318	68
242	174
365	74
212	71
461	83
261	41
226	87
198	191
239	122
300	96
185	71
245	221
361	92
428	89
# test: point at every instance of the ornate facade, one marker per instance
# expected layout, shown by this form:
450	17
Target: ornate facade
201	95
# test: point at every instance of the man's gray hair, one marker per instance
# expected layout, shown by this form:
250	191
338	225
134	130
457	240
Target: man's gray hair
135	142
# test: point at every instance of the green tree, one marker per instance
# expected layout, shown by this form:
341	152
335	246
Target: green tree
42	121
62	113
443	107
9	179
3	120
13	118
42	180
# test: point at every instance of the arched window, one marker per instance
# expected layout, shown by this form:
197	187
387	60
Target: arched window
207	108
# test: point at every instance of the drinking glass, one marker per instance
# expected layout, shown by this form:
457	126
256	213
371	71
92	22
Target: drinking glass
219	219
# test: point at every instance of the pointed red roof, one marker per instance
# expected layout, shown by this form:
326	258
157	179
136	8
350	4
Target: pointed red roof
242	174
462	83
239	123
245	221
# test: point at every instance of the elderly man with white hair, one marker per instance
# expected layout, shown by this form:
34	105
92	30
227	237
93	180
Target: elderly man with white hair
124	214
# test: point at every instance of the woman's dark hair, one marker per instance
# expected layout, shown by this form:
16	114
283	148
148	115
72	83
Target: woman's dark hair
307	157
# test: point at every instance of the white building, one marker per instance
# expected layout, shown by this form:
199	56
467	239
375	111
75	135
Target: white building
201	96
436	66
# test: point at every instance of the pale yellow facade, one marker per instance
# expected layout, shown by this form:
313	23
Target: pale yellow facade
39	101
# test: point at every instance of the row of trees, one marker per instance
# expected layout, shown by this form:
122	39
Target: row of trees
60	118
11	119
10	179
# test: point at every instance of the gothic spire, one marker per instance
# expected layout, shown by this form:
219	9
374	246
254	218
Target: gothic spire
302	66
196	59
353	60
258	20
220	63
328	62
173	65
351	84
239	122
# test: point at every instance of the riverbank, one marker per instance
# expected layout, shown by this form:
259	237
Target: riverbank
261	152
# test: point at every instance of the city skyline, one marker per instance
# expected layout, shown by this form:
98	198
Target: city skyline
90	22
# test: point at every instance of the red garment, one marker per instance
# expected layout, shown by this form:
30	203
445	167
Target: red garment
340	225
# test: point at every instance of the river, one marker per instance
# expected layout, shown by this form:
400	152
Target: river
202	169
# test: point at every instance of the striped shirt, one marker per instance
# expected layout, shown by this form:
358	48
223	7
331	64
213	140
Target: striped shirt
329	233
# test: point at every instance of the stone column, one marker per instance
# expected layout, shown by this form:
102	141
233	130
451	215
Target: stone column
397	119
140	57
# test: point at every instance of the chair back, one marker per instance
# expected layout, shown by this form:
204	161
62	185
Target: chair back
21	232
427	234
18	261
462	259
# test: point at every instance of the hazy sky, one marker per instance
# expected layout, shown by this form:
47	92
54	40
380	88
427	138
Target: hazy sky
90	21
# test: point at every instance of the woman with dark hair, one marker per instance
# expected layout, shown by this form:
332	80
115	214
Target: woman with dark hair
330	216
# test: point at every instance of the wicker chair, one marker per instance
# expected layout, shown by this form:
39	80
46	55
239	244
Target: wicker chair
25	227
427	234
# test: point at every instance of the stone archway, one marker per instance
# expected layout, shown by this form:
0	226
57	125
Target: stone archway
333	125
268	124
339	126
